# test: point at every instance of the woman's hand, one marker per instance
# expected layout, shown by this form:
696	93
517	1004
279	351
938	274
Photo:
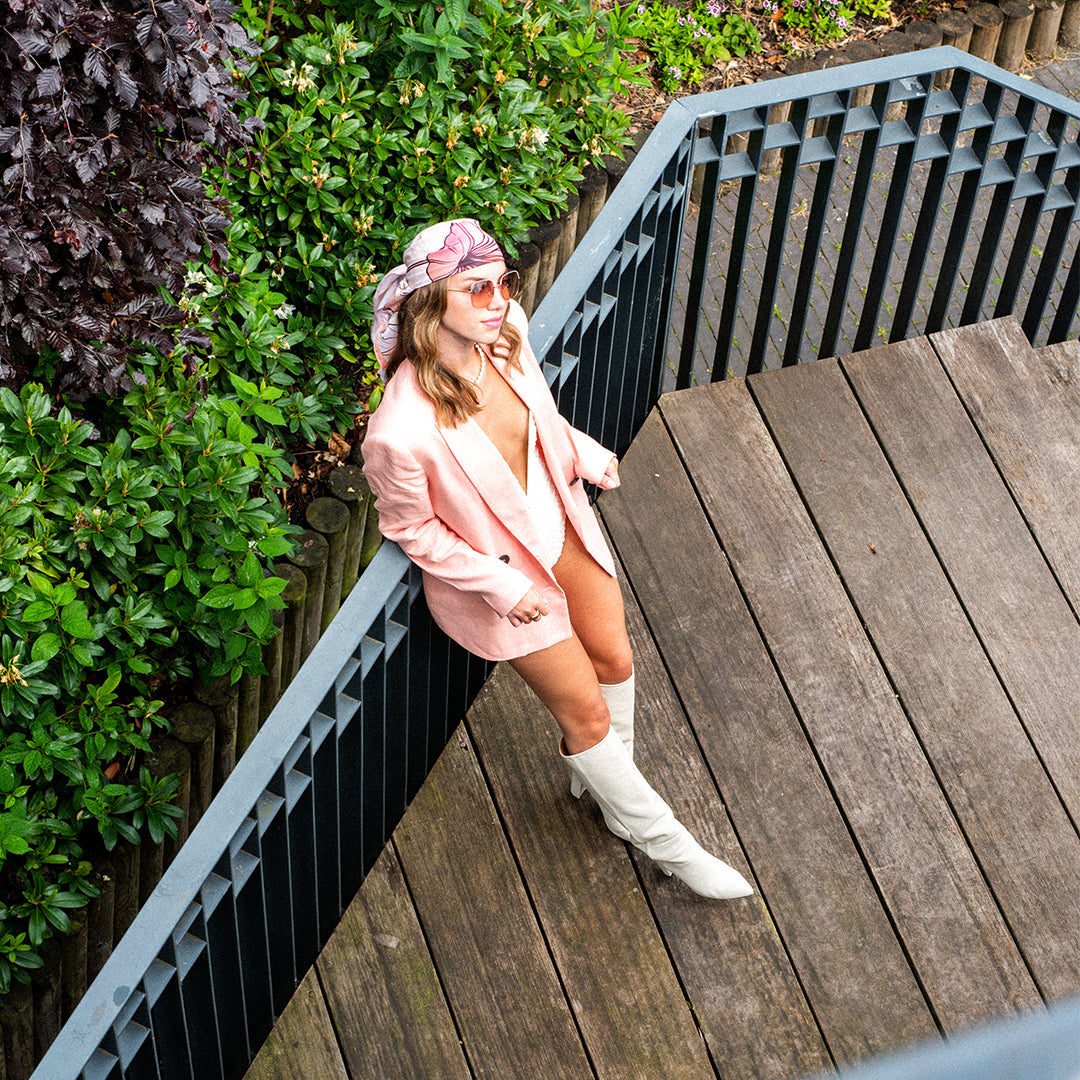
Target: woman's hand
610	479
529	608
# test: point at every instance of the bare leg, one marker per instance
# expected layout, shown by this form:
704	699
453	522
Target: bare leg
596	610
563	678
566	677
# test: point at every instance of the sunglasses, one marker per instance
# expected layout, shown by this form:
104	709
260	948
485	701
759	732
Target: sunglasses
481	292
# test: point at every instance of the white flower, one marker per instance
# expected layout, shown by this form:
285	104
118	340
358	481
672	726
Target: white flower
284	311
534	137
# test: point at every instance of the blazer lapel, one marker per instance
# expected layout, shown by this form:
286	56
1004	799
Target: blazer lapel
531	387
491	476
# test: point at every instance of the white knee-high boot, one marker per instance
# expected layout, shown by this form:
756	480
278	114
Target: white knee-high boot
619	699
626	798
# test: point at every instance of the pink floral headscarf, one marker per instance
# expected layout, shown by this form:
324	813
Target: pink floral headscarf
436	253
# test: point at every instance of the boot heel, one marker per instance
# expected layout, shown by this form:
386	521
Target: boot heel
577	788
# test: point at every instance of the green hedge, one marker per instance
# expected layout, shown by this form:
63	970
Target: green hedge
131	555
138	530
376	126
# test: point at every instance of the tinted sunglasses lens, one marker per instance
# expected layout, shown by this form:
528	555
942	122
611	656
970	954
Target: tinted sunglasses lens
482	293
509	285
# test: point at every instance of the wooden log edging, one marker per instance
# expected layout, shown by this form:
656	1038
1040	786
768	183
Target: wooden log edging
1045	28
527	263
1015	28
310	556
986	20
568	237
291	638
592	192
1069	29
346	483
548	239
955	29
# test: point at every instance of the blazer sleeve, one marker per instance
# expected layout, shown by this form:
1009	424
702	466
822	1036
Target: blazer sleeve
403	501
592	458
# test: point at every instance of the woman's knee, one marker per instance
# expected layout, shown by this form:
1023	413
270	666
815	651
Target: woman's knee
584	726
616	665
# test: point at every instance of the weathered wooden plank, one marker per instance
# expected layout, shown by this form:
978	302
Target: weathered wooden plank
828	916
382	989
730	957
481	929
1031	423
629	1006
984	544
302	1043
1062	362
997	786
906	831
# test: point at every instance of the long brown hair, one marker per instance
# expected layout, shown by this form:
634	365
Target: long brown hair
419	317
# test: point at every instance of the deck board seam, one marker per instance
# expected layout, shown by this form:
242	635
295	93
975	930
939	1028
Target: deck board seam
332	1018
785	682
1005	481
950	578
635	861
448	1001
475	743
905	708
791	958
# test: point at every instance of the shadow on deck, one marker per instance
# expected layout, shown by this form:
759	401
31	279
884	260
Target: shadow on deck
853	591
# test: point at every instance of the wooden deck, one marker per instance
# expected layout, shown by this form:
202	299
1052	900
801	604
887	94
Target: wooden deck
853	591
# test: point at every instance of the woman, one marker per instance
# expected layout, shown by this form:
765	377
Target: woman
478	478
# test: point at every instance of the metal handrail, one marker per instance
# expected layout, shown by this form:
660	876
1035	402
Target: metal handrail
241	913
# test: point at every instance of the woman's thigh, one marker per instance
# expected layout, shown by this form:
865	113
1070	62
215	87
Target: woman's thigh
595	603
563	678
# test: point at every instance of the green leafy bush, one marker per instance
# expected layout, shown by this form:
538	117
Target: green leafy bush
257	334
686	42
412	114
131	553
136	534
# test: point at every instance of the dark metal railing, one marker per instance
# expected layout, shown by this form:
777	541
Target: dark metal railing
643	305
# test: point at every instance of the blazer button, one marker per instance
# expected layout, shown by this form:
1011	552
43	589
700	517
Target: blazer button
504	558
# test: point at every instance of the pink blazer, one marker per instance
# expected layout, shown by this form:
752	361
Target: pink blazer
449	499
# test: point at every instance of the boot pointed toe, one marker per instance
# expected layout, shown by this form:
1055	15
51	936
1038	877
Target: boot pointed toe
710	877
630	803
